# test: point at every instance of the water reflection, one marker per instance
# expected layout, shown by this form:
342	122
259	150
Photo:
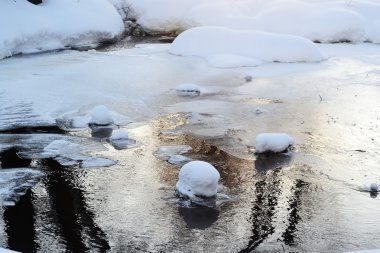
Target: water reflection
19	220
198	217
270	161
101	132
267	193
10	159
71	213
294	218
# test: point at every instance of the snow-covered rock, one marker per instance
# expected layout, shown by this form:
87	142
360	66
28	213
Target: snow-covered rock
374	187
274	142
198	179
258	46
100	115
188	89
55	24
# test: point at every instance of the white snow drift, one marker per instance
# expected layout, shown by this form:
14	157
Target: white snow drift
26	28
209	42
198	178
319	20
274	142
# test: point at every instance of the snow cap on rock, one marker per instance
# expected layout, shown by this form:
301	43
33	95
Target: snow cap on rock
100	115
274	142
198	178
374	187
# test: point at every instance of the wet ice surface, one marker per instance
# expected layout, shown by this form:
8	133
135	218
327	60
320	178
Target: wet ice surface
304	201
15	182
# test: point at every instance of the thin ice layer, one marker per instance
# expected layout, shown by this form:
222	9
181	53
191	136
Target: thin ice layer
15	182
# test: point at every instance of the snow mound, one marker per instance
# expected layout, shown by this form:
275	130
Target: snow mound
188	90
55	24
198	178
274	142
100	115
210	42
15	182
232	61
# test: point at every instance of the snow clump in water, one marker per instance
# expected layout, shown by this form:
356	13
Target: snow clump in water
100	115
273	142
198	179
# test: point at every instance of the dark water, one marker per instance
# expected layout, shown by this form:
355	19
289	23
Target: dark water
279	205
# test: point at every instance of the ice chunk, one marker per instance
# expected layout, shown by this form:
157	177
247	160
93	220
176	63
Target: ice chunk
100	115
119	134
65	152
15	182
198	178
92	162
59	147
274	142
188	89
165	152
2	250
178	159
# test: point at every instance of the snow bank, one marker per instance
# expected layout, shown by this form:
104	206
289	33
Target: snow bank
274	142
27	28
198	178
208	42
319	20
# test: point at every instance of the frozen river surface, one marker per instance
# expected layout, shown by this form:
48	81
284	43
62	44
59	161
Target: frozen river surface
310	200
